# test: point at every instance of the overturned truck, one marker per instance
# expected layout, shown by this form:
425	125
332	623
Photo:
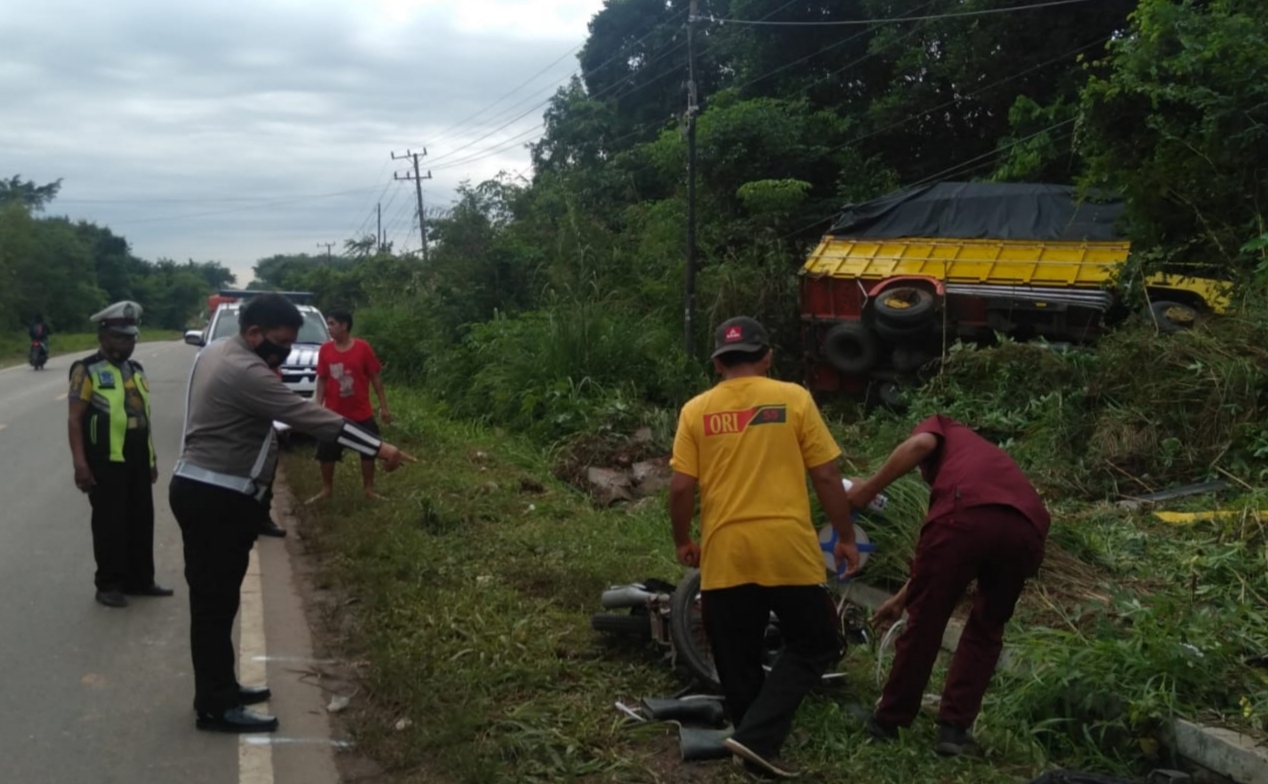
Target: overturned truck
897	279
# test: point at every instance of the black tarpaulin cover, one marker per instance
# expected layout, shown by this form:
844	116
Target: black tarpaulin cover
984	210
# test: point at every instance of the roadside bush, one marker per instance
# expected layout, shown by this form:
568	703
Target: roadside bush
576	365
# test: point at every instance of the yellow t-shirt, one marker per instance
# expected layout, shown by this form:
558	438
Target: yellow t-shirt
748	443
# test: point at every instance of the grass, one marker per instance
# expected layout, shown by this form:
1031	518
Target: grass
15	346
474	586
475	582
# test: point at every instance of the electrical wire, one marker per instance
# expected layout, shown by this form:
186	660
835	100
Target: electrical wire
892	20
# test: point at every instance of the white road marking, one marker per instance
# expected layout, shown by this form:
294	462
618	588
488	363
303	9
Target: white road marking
255	760
272	740
294	660
62	396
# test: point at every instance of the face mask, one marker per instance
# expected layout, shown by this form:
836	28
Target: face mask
119	355
272	354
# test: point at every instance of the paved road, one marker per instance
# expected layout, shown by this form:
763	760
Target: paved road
93	695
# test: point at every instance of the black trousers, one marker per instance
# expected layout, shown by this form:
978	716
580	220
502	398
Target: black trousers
218	527
123	519
762	706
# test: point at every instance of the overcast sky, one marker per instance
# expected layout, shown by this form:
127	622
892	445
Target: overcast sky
232	130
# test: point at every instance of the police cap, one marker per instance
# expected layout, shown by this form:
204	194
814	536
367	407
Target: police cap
120	318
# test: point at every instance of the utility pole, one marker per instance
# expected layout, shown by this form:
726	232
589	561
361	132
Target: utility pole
327	246
378	231
418	189
693	107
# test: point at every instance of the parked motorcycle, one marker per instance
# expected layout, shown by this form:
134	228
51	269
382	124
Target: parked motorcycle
39	354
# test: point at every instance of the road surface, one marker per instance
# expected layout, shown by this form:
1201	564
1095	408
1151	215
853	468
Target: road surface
93	695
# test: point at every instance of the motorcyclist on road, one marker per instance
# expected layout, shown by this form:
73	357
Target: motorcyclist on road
39	330
39	333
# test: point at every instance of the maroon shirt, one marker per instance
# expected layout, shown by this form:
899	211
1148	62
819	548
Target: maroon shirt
967	471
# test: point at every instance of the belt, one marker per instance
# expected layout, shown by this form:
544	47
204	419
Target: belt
238	484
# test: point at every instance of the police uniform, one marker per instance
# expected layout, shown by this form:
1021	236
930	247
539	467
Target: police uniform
228	458
116	439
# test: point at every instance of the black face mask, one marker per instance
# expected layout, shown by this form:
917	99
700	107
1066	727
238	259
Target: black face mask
272	354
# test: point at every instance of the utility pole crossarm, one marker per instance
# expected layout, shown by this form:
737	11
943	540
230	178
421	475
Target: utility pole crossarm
418	178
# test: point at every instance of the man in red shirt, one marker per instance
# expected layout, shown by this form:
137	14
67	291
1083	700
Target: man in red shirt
346	368
985	522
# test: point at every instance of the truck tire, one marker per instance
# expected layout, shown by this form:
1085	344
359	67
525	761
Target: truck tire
850	347
1172	317
909	360
905	306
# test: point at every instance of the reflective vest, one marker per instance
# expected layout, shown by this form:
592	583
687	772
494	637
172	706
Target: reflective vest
106	424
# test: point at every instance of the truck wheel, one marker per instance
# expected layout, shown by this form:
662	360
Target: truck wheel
1172	317
909	360
904	306
890	395
850	347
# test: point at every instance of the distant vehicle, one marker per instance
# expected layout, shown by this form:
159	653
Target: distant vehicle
299	371
39	354
898	278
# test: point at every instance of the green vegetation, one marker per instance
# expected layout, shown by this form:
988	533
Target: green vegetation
68	271
474	584
547	326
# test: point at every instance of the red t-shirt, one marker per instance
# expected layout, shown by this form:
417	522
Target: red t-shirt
347	375
967	470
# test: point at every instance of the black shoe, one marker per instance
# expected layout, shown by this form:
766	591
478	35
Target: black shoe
270	528
251	695
953	741
236	719
111	598
762	764
153	589
881	731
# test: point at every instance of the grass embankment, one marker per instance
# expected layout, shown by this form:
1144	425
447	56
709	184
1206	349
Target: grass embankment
476	582
15	346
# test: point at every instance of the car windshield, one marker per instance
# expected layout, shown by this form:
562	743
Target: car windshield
313	330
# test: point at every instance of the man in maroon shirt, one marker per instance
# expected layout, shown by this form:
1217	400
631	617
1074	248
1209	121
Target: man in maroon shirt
985	522
346	368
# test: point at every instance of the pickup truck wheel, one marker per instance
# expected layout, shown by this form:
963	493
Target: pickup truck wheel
904	306
850	347
1172	317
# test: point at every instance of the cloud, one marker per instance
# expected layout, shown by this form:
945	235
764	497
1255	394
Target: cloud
235	130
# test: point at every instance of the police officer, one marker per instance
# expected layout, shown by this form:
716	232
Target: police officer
113	453
228	455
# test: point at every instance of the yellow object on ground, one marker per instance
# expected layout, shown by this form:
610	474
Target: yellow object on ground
1189	518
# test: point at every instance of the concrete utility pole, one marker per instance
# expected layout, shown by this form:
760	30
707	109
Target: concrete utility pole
418	189
327	246
378	231
693	107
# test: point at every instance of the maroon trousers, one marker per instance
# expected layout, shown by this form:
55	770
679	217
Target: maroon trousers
998	547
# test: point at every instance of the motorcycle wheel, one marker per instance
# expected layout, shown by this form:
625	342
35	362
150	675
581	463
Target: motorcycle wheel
686	630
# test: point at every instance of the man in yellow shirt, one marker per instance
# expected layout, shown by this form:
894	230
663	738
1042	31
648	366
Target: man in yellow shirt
747	444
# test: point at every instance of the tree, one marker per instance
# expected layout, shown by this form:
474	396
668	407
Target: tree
1179	125
34	197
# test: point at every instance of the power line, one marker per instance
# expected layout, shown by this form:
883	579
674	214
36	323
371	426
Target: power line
892	20
227	210
521	86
